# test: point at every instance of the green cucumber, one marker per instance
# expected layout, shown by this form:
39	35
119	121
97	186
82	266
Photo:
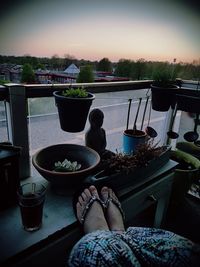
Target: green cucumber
183	156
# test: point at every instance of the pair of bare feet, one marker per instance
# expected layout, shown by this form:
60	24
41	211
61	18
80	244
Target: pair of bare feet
96	218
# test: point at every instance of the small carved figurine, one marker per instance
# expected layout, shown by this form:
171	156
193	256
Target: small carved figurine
95	137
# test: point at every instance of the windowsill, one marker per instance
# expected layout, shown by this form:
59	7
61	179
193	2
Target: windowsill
57	215
58	218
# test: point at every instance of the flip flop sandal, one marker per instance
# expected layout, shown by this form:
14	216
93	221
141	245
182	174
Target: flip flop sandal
88	206
117	204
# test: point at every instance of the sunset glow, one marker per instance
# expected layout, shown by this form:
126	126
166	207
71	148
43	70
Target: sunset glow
96	29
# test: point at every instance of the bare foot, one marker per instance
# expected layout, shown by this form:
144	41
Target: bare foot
113	214
94	219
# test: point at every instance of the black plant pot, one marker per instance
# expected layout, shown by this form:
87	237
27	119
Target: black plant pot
188	103
163	97
188	92
72	111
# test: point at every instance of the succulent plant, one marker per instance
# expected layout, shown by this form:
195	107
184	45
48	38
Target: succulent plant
67	166
75	92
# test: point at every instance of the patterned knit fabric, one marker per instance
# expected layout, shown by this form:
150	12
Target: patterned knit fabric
138	246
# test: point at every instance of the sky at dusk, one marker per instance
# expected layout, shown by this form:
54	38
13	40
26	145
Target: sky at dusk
90	29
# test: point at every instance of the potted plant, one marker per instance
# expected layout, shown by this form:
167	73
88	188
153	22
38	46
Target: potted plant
187	171
188	99
162	89
123	170
133	137
73	107
188	103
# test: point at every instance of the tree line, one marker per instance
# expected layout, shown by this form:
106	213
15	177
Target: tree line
134	70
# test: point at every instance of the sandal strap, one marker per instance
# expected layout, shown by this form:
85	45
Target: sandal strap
117	204
88	206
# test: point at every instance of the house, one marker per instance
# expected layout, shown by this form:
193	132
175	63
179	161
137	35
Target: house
72	70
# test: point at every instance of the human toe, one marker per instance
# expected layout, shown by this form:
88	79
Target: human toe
112	194
93	191
104	193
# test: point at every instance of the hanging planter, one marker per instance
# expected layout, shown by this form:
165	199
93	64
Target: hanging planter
163	89
73	108
163	97
188	103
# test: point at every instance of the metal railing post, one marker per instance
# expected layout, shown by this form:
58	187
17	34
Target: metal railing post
16	109
168	119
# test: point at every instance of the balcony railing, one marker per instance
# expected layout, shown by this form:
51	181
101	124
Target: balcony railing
17	99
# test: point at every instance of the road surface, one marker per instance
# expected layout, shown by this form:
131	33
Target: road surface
45	130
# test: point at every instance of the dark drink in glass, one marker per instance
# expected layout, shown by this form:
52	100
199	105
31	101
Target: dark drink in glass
31	201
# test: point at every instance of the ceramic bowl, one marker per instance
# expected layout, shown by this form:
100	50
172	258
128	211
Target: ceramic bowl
44	161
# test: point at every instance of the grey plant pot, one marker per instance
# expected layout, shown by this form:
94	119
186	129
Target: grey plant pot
183	178
122	180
